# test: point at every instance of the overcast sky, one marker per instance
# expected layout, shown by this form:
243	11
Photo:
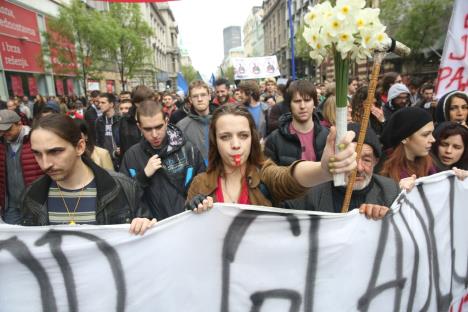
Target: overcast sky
201	24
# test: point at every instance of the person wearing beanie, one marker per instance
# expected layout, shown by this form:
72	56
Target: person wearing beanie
407	139
453	106
398	97
372	193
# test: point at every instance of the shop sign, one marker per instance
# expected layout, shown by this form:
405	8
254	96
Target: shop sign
18	22
21	55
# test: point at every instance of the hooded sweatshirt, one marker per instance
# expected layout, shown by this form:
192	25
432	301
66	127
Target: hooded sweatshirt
196	130
394	92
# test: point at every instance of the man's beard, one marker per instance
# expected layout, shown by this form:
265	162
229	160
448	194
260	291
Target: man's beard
222	99
361	184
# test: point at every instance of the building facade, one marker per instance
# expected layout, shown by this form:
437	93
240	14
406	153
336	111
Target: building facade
23	66
275	32
253	34
161	69
231	38
26	70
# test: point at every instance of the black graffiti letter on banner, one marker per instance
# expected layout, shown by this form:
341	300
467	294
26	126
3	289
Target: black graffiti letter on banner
232	241
54	238
443	300
293	296
21	252
372	289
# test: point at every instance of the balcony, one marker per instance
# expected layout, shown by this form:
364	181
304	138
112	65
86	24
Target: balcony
173	50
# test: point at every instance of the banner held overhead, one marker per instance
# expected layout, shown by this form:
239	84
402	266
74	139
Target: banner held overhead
255	67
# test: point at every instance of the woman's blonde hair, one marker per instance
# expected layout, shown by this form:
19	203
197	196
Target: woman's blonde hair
328	110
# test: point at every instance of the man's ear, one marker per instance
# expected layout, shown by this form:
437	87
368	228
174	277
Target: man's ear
404	141
80	147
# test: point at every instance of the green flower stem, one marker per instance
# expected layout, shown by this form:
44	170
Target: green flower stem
341	78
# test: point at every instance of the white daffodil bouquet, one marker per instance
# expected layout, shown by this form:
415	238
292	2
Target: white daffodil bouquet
348	31
347	28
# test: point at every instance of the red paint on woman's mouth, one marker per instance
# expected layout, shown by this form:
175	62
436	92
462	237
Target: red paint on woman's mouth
237	159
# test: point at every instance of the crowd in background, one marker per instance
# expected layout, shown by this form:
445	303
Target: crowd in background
163	140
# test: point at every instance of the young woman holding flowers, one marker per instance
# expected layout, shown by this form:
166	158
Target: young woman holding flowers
238	172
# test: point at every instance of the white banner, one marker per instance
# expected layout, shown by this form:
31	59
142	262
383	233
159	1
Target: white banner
234	259
453	71
255	67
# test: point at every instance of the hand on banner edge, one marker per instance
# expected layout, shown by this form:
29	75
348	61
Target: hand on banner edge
460	173
204	205
375	212
140	225
408	183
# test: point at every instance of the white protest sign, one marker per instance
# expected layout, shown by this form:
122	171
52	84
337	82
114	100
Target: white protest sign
255	67
234	259
453	71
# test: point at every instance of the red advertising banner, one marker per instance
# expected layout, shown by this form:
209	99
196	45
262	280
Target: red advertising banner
70	87
59	86
20	55
62	54
17	85
32	86
110	86
453	70
18	22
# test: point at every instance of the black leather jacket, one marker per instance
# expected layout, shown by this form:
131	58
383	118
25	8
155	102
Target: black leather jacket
117	199
165	192
129	134
284	148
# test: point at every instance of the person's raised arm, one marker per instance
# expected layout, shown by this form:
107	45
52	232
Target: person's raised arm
309	173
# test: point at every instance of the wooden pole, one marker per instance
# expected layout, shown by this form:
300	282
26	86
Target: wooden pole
378	57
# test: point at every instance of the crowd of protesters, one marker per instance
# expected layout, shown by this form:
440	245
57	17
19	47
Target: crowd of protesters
144	156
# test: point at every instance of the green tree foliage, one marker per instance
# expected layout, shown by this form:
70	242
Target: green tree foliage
301	47
229	74
190	74
84	27
128	48
419	24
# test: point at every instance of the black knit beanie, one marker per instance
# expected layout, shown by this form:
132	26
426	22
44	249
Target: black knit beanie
370	138
403	123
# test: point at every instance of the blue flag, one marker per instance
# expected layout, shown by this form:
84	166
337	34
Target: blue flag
212	80
181	83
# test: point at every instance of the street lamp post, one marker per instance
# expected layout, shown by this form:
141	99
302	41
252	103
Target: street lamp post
291	35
